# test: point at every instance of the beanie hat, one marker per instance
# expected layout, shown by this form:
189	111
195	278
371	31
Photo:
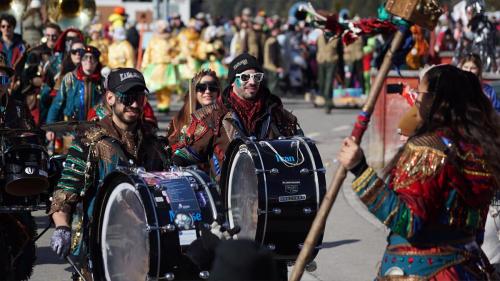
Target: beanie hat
241	63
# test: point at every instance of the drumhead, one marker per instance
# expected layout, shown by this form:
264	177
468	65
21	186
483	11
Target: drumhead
242	191
125	257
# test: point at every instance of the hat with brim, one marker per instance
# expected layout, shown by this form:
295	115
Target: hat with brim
123	79
4	66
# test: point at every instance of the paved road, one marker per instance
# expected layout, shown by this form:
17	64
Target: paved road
354	240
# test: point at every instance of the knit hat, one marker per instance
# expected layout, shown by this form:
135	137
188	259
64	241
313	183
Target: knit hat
241	63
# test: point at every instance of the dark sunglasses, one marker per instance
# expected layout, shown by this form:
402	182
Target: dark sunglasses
79	51
6	26
4	80
202	87
128	99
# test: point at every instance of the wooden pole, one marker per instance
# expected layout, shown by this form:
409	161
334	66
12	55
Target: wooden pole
318	224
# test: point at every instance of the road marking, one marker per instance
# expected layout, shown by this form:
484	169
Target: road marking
341	128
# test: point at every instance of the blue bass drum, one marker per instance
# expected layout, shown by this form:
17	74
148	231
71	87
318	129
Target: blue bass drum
272	190
145	221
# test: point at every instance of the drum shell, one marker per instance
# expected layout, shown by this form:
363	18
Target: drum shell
25	170
165	246
284	220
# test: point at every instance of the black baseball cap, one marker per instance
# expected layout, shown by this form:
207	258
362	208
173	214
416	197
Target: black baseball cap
123	79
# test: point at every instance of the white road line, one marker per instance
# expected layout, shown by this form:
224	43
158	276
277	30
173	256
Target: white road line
341	128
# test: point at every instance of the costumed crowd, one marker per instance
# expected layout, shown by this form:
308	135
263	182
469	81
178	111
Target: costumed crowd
81	97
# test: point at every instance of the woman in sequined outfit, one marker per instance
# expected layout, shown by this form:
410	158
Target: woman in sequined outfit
435	194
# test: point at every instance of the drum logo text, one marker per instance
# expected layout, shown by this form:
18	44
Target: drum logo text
280	158
291	187
29	170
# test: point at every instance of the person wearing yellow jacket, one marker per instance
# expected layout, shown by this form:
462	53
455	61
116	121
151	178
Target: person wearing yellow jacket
190	55
120	52
157	65
100	42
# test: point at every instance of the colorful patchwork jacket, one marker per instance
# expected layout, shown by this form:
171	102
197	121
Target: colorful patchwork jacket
98	153
213	128
435	203
77	95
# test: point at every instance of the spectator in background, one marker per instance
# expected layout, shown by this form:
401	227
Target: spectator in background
10	43
33	24
272	61
472	63
176	24
99	41
120	52
157	65
327	57
257	39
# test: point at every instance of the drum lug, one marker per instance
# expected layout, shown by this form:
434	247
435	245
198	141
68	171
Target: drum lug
273	171
276	211
307	210
304	171
204	275
165	228
271	247
168	276
281	138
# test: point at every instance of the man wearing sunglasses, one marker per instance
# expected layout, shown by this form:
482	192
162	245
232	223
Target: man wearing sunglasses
119	139
10	43
245	108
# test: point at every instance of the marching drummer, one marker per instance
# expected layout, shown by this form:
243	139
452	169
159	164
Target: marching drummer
119	139
246	108
15	112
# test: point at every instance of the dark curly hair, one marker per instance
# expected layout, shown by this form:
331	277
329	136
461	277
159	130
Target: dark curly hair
456	102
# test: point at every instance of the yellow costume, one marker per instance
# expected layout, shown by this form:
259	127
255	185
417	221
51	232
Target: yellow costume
190	53
158	68
102	44
121	54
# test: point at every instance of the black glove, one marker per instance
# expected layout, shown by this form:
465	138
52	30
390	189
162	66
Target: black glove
61	241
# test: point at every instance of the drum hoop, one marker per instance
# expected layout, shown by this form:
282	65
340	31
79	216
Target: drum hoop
117	188
139	185
265	192
24	146
313	163
207	191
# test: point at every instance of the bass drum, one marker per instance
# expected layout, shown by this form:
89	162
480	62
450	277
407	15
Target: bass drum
145	221
272	190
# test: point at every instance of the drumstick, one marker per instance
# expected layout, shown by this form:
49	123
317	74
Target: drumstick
360	126
76	268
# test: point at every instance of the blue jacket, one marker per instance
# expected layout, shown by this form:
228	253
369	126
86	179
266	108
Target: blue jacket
74	99
492	95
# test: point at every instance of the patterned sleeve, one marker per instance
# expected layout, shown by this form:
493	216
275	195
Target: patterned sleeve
194	148
71	183
411	196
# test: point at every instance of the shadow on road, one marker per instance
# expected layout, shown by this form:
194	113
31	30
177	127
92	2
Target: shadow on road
46	256
327	245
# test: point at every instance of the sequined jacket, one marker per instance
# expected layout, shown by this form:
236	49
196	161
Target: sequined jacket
90	159
213	128
74	99
435	203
